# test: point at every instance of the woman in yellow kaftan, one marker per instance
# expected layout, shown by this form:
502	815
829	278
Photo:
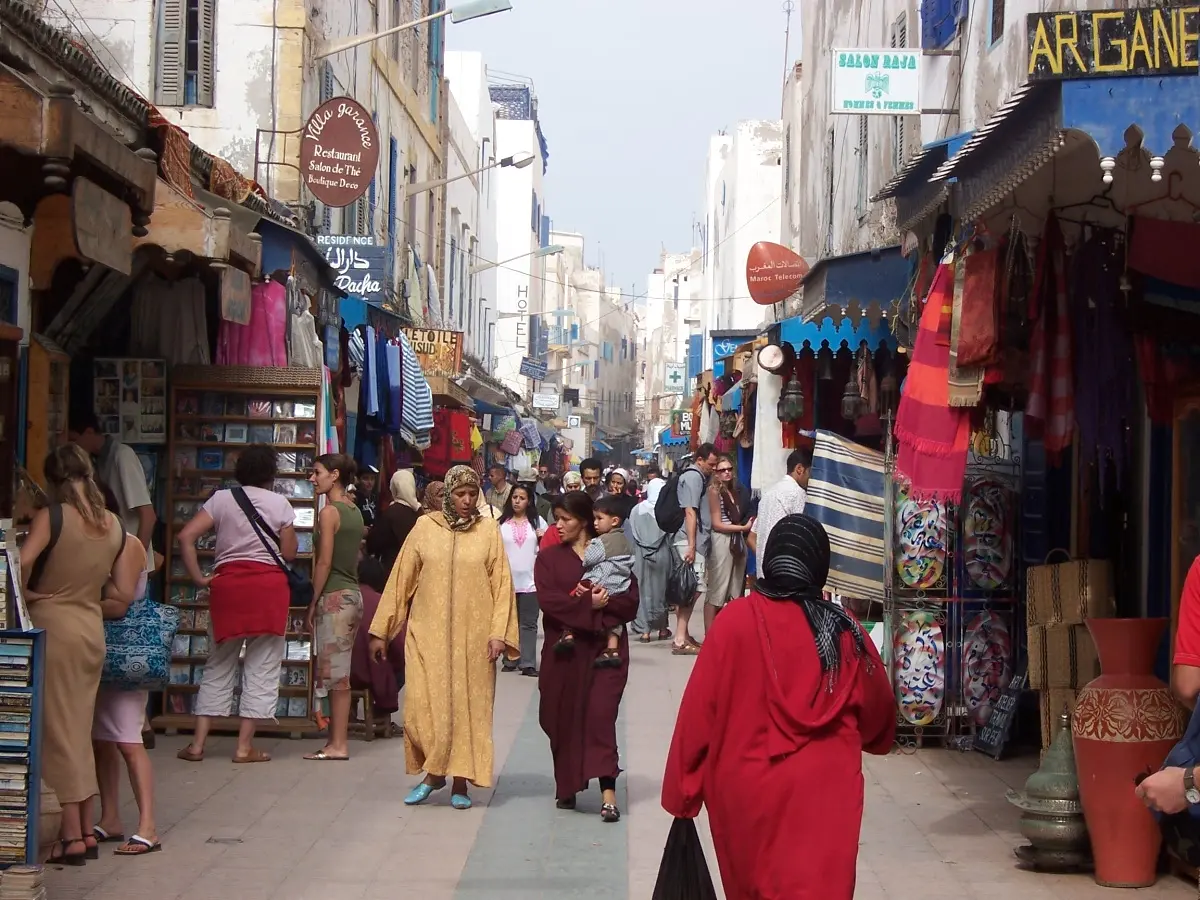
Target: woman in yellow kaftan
452	585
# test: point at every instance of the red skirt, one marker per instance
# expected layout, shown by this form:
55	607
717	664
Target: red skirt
248	599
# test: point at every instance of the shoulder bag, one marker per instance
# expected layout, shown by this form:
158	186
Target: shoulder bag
299	585
137	647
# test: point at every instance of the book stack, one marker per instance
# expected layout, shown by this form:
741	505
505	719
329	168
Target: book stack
23	883
3	588
16	711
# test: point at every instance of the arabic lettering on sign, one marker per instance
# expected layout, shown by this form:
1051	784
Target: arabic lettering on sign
359	264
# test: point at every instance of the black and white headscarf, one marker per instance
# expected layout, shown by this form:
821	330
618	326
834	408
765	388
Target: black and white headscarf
795	566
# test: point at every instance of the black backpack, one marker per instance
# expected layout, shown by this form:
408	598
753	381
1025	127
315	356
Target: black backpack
667	511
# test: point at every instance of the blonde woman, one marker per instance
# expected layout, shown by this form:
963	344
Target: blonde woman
77	572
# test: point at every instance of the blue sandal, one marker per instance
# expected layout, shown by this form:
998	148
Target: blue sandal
421	793
460	801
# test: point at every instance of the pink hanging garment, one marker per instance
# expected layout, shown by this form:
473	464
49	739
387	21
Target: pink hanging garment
264	341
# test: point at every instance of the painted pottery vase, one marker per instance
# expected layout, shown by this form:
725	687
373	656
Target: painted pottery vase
1125	723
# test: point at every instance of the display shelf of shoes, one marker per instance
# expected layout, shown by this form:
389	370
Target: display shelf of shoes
215	414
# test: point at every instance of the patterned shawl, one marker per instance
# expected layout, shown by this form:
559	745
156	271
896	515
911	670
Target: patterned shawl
457	477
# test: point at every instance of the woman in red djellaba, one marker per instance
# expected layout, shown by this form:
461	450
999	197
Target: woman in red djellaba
785	697
579	703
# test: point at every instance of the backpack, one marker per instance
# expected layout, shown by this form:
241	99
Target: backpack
667	511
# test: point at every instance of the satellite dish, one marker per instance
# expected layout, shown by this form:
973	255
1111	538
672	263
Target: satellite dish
774	273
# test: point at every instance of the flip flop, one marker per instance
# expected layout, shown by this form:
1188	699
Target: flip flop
137	846
103	837
254	756
322	756
187	754
685	650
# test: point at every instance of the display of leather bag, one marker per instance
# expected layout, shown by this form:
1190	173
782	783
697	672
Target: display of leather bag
979	333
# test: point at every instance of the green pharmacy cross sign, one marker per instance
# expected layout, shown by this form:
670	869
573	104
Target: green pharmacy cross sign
876	82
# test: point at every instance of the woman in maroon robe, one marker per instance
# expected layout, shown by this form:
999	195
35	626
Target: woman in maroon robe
784	699
579	702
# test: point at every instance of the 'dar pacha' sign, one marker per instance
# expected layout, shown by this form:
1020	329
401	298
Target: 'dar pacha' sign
360	264
1161	40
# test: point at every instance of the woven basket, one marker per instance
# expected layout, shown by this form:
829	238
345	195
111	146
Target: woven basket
1069	593
248	378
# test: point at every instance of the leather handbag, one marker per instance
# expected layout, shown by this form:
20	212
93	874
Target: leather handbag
137	653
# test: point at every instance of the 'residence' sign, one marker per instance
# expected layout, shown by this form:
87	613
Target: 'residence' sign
339	150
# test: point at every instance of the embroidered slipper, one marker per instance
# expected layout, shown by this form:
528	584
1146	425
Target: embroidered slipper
104	837
254	756
322	756
137	846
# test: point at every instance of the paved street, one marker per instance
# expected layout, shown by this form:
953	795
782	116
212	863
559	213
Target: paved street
936	826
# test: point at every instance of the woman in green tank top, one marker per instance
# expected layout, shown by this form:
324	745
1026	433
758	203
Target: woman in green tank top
337	609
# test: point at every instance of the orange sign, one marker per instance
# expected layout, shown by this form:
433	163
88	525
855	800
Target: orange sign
773	273
440	352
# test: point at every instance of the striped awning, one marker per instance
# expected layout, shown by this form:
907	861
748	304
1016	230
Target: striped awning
846	495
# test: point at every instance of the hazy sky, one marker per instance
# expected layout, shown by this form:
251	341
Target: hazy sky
628	93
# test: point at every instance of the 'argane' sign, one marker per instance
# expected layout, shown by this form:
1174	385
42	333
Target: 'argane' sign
339	150
1112	42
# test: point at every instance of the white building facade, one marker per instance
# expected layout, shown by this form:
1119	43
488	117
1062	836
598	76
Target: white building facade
473	147
673	313
522	228
242	80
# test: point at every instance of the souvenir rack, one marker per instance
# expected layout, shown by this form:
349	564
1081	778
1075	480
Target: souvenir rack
954	579
216	412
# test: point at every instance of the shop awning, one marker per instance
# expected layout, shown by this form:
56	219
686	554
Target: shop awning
668	440
602	446
856	286
916	197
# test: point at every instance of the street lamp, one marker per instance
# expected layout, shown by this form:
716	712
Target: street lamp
552	250
458	13
518	161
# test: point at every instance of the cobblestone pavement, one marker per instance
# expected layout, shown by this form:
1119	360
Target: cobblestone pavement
937	824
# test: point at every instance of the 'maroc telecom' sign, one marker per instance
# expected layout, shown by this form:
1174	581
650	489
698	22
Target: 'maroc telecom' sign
1113	42
773	272
339	150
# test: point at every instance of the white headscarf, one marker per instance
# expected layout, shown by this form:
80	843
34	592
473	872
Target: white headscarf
404	489
653	489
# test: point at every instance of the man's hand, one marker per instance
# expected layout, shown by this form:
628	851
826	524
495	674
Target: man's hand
377	647
1163	791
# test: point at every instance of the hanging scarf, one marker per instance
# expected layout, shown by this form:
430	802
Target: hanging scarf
458	477
933	437
1050	412
795	567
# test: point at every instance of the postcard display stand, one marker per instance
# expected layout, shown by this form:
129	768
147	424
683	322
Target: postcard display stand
216	412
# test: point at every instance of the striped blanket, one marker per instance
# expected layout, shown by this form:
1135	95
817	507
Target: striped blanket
846	495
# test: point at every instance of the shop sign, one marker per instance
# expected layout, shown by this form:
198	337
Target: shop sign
877	82
773	272
440	352
574	421
545	400
681	423
1114	42
235	295
360	264
339	151
102	225
533	368
676	375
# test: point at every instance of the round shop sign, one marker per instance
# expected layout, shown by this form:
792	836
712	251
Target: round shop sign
339	150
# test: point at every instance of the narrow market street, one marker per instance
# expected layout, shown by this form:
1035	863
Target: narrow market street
937	824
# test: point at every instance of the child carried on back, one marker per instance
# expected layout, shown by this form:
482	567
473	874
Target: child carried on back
608	564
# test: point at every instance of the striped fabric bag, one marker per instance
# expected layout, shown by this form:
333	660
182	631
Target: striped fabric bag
846	495
416	410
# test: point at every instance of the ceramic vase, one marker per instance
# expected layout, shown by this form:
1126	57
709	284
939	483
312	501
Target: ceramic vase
1125	723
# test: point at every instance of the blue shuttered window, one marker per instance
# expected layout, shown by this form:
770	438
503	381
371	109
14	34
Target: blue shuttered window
371	189
695	356
435	60
575	331
939	22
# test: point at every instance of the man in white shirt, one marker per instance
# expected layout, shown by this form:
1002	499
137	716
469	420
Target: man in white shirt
118	466
786	498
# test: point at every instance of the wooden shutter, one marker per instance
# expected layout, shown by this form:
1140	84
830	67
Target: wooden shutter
172	35
205	77
327	85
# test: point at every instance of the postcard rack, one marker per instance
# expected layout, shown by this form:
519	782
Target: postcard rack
216	412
